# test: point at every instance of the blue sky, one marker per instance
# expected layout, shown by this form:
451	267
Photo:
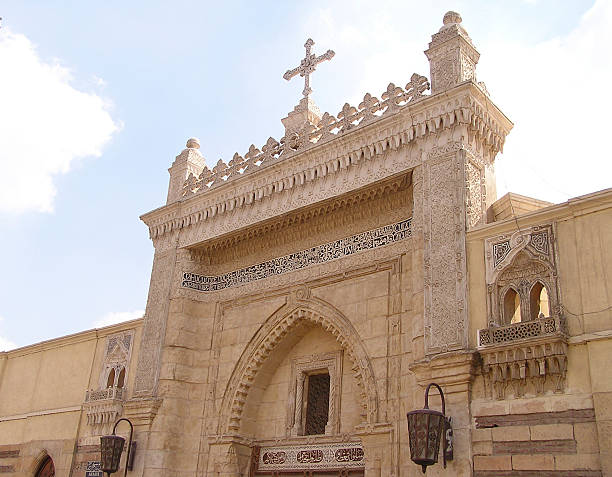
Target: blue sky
97	98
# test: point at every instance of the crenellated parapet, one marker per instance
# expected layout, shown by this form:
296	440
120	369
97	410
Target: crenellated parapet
308	135
358	136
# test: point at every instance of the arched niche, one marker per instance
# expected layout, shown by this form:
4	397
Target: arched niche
279	329
512	307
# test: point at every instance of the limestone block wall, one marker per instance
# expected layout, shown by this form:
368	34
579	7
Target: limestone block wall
566	432
42	389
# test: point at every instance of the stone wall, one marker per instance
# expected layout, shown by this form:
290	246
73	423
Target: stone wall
552	429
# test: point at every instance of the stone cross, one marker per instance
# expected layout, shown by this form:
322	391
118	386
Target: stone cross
308	65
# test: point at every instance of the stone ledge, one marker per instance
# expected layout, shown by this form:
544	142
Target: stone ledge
538	473
563	417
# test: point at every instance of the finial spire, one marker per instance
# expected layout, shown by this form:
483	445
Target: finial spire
308	65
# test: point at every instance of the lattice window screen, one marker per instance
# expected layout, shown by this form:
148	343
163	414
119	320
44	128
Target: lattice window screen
317	407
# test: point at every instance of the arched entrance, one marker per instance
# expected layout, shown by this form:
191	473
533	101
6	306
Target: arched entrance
46	468
274	331
306	356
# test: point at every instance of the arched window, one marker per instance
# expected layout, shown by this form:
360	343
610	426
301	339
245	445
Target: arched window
121	379
46	468
512	307
538	301
110	382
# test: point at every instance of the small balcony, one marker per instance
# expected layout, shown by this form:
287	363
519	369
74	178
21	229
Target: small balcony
524	358
104	406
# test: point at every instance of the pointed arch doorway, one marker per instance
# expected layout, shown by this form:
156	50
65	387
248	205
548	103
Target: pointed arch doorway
46	468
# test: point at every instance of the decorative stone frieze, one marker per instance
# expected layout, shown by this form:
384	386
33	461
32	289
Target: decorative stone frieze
311	457
444	263
330	251
525	366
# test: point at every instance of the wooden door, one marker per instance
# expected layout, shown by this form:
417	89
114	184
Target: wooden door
46	469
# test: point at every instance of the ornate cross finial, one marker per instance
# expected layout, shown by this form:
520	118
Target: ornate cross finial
308	65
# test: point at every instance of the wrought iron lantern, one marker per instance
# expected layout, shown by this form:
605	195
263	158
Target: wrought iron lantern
111	448
426	428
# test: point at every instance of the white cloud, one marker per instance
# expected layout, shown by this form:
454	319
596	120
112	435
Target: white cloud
556	92
46	125
117	317
6	344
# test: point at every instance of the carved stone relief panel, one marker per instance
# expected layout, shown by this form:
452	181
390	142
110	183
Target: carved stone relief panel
104	404
300	368
475	200
444	255
518	262
116	357
154	324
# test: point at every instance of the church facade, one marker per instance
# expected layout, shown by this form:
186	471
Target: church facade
303	296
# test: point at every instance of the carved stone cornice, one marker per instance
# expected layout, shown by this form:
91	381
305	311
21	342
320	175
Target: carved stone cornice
281	226
354	159
454	371
525	364
141	411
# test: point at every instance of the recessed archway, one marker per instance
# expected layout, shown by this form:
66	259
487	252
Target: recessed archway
271	334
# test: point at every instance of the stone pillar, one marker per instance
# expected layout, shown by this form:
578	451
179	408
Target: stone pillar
377	440
156	314
190	161
452	56
444	254
601	382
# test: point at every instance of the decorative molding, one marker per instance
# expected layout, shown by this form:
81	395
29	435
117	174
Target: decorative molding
336	166
344	455
300	367
44	412
295	261
296	140
385	202
444	262
147	371
518	261
525	366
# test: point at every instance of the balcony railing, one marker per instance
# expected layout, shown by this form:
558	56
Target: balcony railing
518	331
104	394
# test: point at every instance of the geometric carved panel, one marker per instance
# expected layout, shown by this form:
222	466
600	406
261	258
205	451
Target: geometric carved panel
295	261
